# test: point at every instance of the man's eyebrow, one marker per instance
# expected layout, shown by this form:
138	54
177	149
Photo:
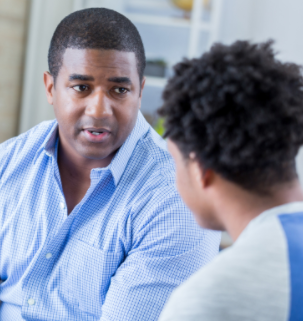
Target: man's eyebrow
120	80
81	77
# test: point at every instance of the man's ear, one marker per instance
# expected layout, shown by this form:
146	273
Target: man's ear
49	86
142	87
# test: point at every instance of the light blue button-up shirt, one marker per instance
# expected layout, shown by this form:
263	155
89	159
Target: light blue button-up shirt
120	252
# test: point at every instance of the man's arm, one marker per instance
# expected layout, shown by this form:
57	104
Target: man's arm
3	152
168	246
0	283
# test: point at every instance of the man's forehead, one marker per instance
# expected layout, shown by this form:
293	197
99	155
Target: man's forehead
119	80
78	60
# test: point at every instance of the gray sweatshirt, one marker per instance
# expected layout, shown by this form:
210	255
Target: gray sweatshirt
259	278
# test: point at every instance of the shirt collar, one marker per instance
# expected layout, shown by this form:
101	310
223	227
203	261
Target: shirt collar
119	162
49	144
51	141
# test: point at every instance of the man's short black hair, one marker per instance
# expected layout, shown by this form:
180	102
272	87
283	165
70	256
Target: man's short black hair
95	28
240	110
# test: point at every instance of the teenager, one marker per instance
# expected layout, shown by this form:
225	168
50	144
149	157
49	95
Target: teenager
234	122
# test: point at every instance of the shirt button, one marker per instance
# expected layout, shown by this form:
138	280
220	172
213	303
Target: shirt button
62	205
31	301
48	255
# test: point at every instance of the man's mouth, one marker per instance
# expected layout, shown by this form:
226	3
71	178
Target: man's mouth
96	135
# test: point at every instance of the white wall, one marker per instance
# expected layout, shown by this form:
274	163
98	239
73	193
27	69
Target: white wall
236	20
282	21
260	20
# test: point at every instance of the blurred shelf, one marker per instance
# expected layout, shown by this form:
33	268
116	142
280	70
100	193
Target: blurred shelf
150	4
164	21
158	20
155	81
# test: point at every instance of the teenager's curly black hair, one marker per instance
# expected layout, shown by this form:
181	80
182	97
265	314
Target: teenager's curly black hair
240	110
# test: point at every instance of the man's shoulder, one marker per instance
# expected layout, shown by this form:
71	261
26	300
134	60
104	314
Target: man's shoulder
155	200
153	149
25	144
33	136
153	171
236	285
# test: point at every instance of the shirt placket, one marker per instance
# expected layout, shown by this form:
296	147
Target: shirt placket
34	285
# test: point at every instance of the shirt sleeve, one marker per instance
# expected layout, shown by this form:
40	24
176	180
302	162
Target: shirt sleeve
3	158
7	150
167	247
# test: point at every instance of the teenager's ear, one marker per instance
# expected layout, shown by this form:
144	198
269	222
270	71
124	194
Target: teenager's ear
204	177
49	86
208	177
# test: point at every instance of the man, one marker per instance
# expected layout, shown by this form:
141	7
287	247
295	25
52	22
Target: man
91	225
234	120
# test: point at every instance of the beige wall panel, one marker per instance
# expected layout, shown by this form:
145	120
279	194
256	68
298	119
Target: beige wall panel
44	18
13	17
13	8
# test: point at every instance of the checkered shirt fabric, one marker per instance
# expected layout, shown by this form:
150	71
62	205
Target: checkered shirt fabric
120	252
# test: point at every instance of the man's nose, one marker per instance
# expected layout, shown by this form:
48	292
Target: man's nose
99	105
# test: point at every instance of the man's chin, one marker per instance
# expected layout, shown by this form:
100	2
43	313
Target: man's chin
90	155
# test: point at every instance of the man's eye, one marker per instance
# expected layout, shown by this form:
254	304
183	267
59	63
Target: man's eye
80	88
121	90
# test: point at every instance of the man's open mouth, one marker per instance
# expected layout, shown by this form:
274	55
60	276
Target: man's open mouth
96	134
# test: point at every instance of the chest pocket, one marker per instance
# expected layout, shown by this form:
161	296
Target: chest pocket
88	275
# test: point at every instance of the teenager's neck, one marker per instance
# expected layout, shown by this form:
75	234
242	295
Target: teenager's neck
245	206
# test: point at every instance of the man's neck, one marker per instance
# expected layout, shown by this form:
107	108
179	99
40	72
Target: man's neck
78	166
245	206
75	174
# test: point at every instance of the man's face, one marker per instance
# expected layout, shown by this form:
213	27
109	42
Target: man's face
96	99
